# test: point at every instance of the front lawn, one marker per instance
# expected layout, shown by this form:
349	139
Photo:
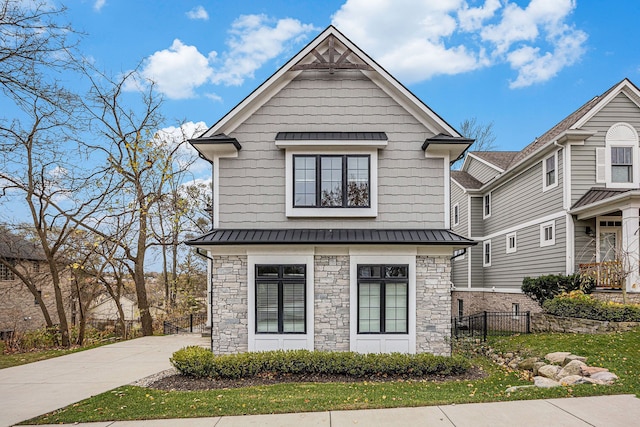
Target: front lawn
15	359
620	352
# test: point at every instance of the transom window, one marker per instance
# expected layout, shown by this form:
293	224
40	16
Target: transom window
331	181
621	164
383	299
281	299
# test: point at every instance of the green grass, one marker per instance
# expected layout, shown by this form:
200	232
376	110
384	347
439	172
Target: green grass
16	359
618	352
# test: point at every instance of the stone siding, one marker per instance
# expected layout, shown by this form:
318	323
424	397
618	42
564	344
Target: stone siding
477	302
541	322
229	324
433	299
331	303
616	296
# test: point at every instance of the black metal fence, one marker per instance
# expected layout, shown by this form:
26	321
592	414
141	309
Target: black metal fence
195	322
489	323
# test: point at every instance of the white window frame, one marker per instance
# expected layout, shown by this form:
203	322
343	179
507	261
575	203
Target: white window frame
459	254
515	310
514	249
622	135
486	244
369	212
456	214
484	205
546	187
543	227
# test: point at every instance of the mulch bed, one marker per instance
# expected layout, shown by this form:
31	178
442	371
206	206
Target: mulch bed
185	383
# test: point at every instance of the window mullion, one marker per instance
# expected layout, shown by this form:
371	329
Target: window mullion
383	306
344	182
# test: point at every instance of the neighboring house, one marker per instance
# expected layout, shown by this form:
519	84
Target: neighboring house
104	308
331	211
568	202
19	309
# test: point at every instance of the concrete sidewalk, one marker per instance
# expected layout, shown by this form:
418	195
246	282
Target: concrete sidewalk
36	388
602	411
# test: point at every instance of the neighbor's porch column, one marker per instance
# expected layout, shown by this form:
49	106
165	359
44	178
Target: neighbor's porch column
630	247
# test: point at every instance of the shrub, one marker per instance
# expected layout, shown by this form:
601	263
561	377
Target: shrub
577	304
544	288
200	362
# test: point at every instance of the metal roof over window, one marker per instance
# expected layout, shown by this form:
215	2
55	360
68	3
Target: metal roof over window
331	136
331	236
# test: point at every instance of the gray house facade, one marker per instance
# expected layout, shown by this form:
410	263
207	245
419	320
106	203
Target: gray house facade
568	202
331	213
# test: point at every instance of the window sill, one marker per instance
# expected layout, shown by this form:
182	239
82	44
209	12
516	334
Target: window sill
371	212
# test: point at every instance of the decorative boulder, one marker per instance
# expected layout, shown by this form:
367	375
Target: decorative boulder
571	357
537	366
527	364
544	382
557	357
549	371
590	370
605	377
572	380
572	368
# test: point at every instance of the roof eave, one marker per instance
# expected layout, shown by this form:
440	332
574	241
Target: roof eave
607	205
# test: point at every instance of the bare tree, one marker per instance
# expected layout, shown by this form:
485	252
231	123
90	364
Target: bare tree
482	134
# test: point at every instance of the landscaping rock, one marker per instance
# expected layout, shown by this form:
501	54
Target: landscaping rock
527	364
518	387
557	357
572	368
549	371
573	379
537	366
513	364
544	382
605	377
571	357
590	370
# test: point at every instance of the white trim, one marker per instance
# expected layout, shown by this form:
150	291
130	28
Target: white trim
625	84
484	253
381	343
486	215
215	176
469	234
447	192
610	142
546	187
261	342
543	227
370	212
491	165
569	230
508	237
566	175
456	213
545	218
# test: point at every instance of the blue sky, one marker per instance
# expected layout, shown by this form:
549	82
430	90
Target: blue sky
522	64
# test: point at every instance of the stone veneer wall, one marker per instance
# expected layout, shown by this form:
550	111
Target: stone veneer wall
331	303
229	312
477	302
433	302
616	296
541	322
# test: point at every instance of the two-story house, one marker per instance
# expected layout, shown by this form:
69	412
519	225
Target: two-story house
568	202
331	211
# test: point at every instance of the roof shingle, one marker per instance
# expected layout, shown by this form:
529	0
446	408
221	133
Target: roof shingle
466	180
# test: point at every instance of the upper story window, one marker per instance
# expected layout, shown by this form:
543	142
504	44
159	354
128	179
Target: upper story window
456	214
6	273
486	202
486	253
617	162
550	172
331	181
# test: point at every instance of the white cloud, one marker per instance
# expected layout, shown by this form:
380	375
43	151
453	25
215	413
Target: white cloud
98	5
177	71
253	42
198	12
186	156
418	39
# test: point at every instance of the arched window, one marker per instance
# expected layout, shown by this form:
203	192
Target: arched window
620	166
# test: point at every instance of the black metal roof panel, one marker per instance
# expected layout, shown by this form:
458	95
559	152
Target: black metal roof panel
220	138
597	194
331	236
446	139
331	136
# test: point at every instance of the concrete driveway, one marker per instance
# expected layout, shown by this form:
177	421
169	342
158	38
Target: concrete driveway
30	390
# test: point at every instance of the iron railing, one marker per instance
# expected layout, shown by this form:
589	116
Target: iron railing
489	323
195	322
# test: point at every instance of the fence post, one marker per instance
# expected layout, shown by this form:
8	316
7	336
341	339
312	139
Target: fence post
191	322
484	327
528	322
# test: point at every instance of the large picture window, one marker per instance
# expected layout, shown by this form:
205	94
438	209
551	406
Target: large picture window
281	299
383	299
330	181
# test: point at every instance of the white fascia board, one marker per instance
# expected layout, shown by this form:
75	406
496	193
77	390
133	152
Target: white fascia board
464	190
607	205
491	165
625	84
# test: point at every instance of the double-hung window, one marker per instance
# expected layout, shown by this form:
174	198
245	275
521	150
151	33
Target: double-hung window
621	164
486	201
550	172
281	299
456	214
383	299
331	181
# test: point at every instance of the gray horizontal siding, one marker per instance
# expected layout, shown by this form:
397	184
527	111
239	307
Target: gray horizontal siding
459	197
583	157
585	246
477	271
480	171
508	270
459	269
522	199
410	187
477	223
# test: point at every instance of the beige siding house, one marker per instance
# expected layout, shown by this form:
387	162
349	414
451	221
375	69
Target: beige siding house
331	211
568	202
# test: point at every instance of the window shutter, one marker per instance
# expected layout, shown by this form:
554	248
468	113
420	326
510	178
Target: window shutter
601	167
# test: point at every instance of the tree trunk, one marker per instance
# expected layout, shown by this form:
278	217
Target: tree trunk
62	315
138	275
